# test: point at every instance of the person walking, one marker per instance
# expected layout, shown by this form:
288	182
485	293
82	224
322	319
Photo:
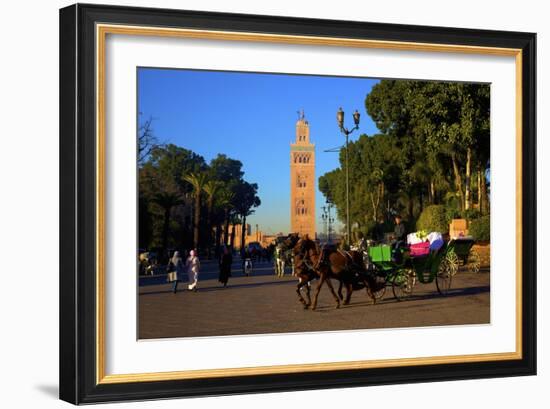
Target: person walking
193	265
247	262
176	269
226	259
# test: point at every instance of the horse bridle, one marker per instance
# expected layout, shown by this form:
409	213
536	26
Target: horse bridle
307	261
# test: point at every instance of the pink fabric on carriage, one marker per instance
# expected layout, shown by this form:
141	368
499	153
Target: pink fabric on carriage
420	249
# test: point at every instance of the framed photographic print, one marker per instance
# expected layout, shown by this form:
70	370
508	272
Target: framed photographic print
257	203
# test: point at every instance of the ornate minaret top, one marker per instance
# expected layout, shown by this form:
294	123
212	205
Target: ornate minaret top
302	129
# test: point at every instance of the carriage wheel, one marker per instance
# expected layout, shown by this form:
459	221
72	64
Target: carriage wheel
403	284
453	262
474	262
378	293
444	277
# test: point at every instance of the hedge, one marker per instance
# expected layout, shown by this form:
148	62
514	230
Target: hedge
480	228
433	218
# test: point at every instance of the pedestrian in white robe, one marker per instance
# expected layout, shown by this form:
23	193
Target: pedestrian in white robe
193	265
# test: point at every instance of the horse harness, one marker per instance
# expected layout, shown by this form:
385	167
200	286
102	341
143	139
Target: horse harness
323	260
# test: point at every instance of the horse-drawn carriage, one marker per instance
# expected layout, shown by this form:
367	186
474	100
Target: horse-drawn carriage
461	252
402	270
371	267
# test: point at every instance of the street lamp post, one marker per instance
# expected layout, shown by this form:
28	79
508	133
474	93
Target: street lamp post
327	220
347	132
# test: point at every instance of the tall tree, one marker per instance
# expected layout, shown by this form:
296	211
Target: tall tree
226	200
197	181
433	136
211	189
453	117
167	201
226	169
439	119
221	211
207	191
162	172
174	162
247	200
481	144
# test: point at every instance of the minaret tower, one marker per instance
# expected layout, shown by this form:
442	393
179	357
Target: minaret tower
302	181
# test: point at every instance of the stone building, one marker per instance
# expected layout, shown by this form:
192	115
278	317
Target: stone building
250	236
302	181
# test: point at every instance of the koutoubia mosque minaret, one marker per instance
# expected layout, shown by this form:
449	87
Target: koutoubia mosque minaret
302	181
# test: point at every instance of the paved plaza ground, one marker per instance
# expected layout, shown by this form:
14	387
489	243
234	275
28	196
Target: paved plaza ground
264	303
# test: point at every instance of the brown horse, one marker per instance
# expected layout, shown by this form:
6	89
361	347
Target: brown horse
310	261
305	275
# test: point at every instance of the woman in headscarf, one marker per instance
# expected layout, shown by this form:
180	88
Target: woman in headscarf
226	259
192	264
177	268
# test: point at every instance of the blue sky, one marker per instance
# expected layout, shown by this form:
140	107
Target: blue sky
251	117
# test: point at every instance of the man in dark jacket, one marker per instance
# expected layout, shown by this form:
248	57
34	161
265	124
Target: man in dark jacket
399	233
399	237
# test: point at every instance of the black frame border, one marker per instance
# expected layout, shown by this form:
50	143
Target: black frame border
77	149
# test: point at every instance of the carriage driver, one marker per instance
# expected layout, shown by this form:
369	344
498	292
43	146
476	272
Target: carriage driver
399	237
399	232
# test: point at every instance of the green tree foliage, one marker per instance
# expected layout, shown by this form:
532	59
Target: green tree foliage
226	203
433	218
433	148
198	181
480	228
185	202
453	119
211	189
248	200
332	185
225	169
162	174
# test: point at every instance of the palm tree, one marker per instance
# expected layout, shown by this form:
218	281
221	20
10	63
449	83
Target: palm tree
211	188
197	181
225	201
167	200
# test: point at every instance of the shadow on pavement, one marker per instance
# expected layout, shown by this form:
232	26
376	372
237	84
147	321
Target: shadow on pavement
389	299
249	285
220	288
453	293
